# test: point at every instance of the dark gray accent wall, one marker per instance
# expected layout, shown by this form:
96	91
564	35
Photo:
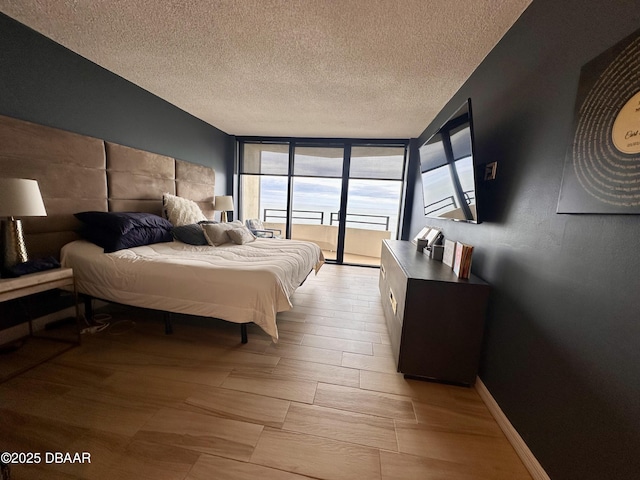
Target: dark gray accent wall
562	345
44	82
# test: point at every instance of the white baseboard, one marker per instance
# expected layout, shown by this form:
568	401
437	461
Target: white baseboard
530	462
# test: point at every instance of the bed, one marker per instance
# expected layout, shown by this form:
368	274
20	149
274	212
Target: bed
237	283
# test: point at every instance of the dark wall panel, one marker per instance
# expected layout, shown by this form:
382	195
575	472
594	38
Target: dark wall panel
562	347
44	82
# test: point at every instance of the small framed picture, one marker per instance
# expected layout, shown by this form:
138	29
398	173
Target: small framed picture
449	252
422	234
432	237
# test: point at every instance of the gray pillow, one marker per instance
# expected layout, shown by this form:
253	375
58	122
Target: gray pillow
216	233
241	235
191	234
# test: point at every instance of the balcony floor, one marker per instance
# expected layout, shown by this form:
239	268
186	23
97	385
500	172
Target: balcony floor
352	259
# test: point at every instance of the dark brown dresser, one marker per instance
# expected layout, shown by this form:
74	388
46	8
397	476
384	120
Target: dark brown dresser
435	320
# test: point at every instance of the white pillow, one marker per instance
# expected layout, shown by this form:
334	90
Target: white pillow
216	233
241	235
181	211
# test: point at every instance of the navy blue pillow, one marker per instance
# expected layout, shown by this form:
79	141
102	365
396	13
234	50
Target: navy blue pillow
112	241
191	234
122	222
114	231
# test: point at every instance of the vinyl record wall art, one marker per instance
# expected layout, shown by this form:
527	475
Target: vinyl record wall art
602	166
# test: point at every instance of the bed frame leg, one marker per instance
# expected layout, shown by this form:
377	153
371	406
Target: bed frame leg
88	307
168	328
243	332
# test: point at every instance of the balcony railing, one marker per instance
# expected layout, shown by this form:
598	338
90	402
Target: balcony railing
362	244
335	216
447	202
275	215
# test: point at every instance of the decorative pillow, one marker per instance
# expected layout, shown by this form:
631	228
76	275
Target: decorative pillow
191	234
241	235
114	231
112	241
181	211
122	222
216	233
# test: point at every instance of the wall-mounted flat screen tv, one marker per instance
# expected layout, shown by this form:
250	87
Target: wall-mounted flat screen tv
448	169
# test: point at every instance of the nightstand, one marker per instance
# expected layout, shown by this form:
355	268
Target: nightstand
12	288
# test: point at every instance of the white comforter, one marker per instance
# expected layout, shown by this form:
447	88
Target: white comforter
238	283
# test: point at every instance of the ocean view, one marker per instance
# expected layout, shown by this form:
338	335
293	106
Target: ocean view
379	198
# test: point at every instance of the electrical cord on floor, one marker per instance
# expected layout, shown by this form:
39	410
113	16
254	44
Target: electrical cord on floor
102	322
117	327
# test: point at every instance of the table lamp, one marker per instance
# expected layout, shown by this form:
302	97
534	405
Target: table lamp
223	204
19	197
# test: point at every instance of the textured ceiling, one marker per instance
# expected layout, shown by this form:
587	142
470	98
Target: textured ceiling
317	68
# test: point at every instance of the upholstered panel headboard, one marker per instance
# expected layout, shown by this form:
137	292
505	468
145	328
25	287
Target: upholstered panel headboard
78	173
196	183
137	179
70	171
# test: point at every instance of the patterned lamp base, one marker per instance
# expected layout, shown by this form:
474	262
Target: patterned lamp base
14	247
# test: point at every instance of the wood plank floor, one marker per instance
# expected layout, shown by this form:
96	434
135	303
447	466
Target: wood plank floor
325	402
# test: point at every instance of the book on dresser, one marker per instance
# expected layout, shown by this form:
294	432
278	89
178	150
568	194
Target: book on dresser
462	260
449	252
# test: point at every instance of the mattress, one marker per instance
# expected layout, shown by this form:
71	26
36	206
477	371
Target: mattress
237	283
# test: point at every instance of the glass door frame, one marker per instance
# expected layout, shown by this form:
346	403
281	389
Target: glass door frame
346	144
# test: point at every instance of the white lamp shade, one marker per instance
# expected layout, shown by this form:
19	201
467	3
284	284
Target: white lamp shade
223	203
20	197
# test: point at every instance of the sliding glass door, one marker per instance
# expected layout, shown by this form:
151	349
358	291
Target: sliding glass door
303	187
317	192
373	201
